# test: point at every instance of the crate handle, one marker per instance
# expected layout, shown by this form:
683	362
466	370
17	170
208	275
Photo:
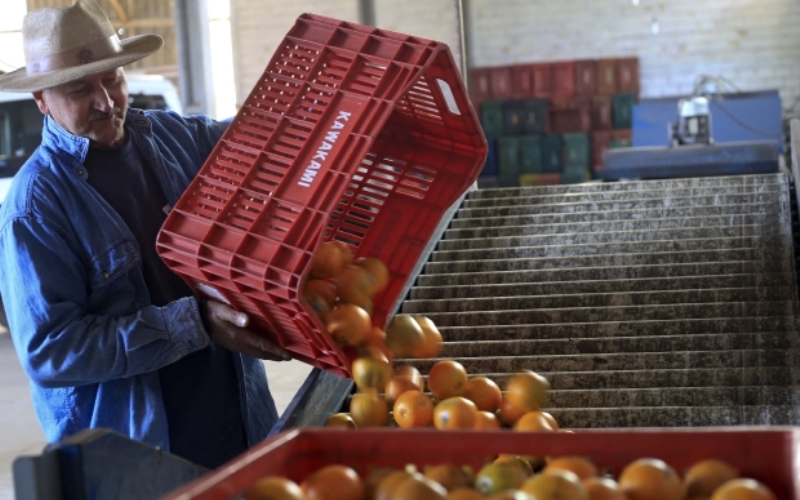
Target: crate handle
449	98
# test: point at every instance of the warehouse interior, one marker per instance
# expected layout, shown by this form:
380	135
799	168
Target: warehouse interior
631	229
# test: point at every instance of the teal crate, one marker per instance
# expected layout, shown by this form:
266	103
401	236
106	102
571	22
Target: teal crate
575	175
552	154
530	154
577	151
622	107
492	118
508	161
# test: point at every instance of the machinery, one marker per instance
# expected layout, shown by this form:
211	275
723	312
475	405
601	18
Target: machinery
694	122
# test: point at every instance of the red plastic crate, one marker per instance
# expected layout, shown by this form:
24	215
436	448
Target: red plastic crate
601	113
522	81
768	454
480	85
585	78
502	87
601	141
354	133
570	115
627	75
606	76
563	79
542	79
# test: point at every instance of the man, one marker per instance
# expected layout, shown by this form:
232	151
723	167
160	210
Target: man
108	335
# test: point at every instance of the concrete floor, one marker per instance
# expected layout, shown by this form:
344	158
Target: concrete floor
20	433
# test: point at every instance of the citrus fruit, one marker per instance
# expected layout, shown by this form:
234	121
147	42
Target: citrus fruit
508	413
465	494
370	372
484	392
369	409
486	420
349	324
404	336
378	271
527	391
389	483
455	413
412	373
603	488
342	420
413	409
354	285
333	482
323	289
650	479
511	495
327	262
706	476
451	477
418	487
432	343
555	485
274	488
397	386
447	379
518	461
580	466
743	489
531	422
498	476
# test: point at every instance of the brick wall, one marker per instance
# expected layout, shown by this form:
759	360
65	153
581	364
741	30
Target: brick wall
753	43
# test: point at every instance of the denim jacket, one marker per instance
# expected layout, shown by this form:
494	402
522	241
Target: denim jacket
78	307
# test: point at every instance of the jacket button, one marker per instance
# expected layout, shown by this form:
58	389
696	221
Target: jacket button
80	172
106	275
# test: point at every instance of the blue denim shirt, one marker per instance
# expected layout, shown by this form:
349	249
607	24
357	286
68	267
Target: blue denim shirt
78	307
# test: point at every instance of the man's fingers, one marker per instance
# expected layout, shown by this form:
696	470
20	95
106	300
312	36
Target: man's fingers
265	347
227	313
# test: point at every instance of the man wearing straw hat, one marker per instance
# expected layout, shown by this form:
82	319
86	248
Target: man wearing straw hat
107	334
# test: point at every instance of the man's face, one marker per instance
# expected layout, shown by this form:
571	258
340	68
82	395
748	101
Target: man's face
93	107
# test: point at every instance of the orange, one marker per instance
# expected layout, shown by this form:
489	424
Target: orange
374	478
465	494
413	409
354	285
318	306
376	340
411	373
341	420
369	409
274	488
455	413
743	489
551	420
378	271
499	476
418	488
580	466
345	250
650	479
532	421
508	413
389	483
333	482
397	386
603	488
451	477
349	324
327	262
706	476
432	344
371	372
447	379
322	288
484	393
555	485
486	420
518	461
511	495
404	336
528	391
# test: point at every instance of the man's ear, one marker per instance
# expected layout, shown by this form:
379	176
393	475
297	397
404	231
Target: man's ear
41	103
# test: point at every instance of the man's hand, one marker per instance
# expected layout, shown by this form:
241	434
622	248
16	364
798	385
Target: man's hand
228	328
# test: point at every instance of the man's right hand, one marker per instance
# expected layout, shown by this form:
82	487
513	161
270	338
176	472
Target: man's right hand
228	328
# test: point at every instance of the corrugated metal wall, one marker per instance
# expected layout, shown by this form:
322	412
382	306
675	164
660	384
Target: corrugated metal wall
137	17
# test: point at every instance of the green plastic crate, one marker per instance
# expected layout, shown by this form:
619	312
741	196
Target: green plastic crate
552	154
574	175
577	151
508	161
530	154
622	106
492	118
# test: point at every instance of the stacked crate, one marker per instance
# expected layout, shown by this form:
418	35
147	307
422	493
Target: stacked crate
549	123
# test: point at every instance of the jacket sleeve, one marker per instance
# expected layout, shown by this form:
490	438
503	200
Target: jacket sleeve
47	290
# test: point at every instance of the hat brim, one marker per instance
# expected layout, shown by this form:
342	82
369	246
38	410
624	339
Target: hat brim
133	49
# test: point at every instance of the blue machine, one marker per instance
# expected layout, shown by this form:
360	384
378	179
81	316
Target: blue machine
741	117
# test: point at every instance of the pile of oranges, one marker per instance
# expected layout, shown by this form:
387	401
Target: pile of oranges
510	477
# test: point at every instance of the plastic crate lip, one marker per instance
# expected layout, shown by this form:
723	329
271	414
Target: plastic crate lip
738	444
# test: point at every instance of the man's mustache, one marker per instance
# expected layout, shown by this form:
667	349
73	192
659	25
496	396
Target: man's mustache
99	115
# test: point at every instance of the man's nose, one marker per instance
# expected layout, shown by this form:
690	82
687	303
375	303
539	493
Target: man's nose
102	101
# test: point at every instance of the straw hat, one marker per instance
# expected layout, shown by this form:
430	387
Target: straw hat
65	44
